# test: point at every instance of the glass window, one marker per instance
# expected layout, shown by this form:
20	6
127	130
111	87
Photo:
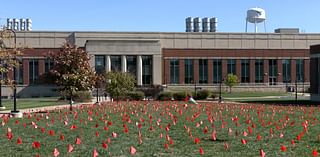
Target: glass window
217	70
300	70
245	71
146	70
286	71
33	71
174	71
48	65
231	66
188	71
203	71
115	63
273	71
100	64
259	71
132	65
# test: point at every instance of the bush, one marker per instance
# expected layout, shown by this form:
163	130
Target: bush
135	95
79	96
165	96
214	95
179	96
201	95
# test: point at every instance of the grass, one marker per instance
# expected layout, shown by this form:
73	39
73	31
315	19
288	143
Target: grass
24	103
182	123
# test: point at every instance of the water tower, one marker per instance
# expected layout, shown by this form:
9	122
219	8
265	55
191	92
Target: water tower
256	16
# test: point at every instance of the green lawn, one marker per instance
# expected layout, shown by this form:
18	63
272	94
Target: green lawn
180	126
252	94
32	102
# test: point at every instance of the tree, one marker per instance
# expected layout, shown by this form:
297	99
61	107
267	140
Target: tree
8	58
72	70
231	80
119	83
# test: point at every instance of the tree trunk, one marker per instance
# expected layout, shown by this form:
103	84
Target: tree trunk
70	102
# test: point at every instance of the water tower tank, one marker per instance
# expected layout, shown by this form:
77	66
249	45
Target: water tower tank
189	24
205	24
256	15
196	24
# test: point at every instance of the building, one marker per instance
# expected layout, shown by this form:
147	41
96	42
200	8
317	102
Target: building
262	61
315	75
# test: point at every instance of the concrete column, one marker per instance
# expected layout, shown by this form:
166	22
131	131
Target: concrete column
25	65
252	70
41	66
156	69
123	63
224	64
238	69
108	63
181	71
139	70
306	70
166	72
266	71
293	70
196	71
210	71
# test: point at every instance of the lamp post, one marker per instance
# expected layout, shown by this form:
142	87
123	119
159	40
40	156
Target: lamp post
1	106
296	84
15	112
97	88
220	87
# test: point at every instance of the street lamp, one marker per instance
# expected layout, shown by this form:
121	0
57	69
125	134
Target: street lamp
296	84
1	106
15	112
220	94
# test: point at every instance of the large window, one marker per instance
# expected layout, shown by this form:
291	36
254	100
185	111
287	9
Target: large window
48	65
188	71
147	70
217	70
273	71
203	71
33	71
100	64
174	71
231	66
132	65
286	71
300	70
259	71
245	71
115	63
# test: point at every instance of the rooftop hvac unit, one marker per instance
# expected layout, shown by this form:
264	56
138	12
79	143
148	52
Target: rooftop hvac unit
213	24
196	24
189	24
23	24
29	25
16	24
205	24
9	23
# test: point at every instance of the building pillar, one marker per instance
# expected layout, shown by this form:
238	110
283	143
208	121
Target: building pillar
123	63
108	63
224	65
280	70
210	71
293	70
41	66
314	80
306	70
266	71
181	71
238	69
252	68
139	70
166	79
25	64
196	71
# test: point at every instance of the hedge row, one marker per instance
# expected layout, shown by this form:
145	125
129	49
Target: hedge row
200	95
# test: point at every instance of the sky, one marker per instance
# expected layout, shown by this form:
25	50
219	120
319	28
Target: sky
159	15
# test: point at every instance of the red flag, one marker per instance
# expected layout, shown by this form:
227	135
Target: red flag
56	152
196	140
226	146
72	127
262	153
201	151
314	153
258	137
70	148
214	135
51	133
78	141
36	144
19	141
283	148
166	146
95	153
61	137
9	134
243	141
132	150
114	135
292	142
104	145
97	134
